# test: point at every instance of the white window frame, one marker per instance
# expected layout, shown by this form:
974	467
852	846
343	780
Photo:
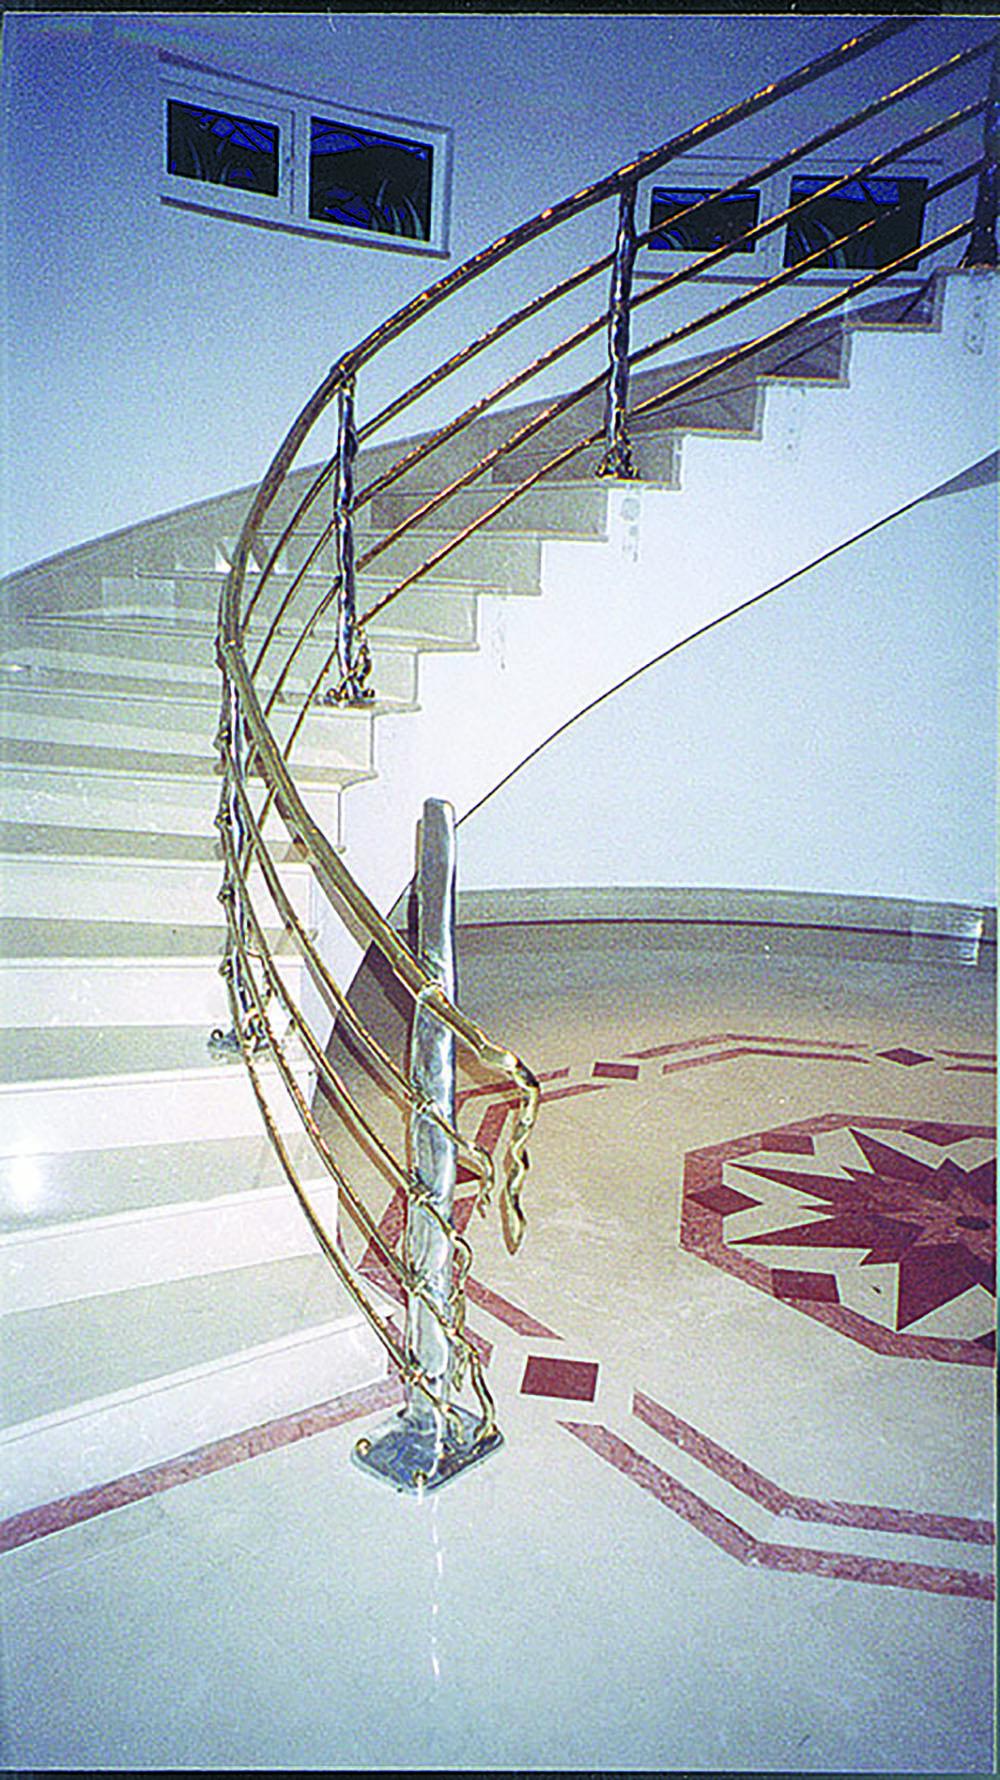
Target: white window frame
716	172
292	112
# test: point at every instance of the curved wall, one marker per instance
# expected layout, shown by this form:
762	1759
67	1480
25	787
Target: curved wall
156	355
838	736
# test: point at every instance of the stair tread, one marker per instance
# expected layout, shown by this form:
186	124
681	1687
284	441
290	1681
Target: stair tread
48	840
41	938
39	840
55	1189
48	1054
141	690
71	1353
77	758
188	629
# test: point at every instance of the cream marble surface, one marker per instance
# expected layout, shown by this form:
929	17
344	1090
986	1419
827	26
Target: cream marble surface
544	1612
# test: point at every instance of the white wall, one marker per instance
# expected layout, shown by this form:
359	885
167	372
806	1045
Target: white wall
156	357
837	737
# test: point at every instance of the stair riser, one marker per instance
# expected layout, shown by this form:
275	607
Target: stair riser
113	1437
113	1112
149	806
184	634
141	890
327	739
511	562
580	511
86	992
395	667
656	459
192	600
150	1248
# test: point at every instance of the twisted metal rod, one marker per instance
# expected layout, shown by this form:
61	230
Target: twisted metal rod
566	285
338	884
472	1154
452	1322
515	239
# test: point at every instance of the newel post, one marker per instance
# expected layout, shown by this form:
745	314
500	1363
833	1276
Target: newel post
434	1438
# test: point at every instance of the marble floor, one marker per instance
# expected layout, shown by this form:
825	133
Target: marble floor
743	1517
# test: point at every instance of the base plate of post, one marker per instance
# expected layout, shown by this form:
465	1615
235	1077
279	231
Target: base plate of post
413	1457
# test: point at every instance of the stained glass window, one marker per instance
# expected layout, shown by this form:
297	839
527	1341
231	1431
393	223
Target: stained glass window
858	202
221	148
720	221
365	180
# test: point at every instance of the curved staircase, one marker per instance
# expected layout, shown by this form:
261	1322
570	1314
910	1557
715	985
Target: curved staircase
162	1288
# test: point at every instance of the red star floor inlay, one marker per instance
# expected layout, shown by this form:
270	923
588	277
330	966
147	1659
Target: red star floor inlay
883	1229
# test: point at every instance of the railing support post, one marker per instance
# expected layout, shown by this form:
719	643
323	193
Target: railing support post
427	1444
231	741
982	248
352	647
617	459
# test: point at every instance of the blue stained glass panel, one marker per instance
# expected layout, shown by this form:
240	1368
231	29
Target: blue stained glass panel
221	148
719	221
819	225
367	180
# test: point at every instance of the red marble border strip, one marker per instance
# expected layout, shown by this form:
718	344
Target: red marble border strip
973	1056
738	1543
686	1044
498	1089
761	1051
617	1072
969	1068
217	1455
788	1038
777	1500
577	1088
486	1299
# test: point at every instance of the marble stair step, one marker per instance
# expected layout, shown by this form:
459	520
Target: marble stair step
573	510
508	561
92	786
727	404
95	874
148	1245
81	688
99	1387
90	1087
54	1191
93	659
94	973
424	607
133	618
330	736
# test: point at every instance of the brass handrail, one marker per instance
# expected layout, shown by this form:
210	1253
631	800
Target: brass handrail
290	617
423	448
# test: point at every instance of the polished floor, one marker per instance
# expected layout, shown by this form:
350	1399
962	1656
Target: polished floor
743	1517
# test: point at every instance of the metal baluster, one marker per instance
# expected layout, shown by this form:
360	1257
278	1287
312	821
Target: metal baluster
352	645
982	248
617	459
427	1444
231	741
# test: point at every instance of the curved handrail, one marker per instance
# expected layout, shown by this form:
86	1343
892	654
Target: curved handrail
546	220
259	783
